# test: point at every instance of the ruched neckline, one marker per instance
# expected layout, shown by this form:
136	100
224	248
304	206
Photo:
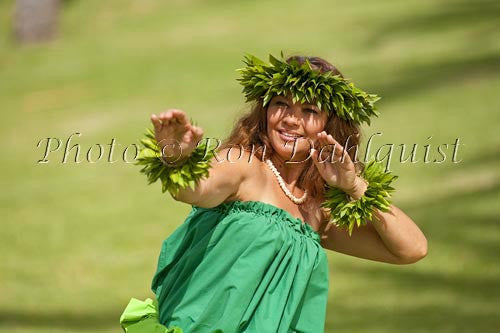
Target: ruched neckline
259	207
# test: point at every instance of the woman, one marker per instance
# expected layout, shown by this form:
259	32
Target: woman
249	257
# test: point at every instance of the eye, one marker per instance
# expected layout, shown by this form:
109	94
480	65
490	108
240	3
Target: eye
308	110
281	104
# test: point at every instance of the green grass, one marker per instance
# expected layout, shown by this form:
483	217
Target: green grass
78	240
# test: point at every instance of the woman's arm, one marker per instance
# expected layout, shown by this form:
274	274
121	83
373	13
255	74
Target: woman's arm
400	235
393	239
178	138
223	181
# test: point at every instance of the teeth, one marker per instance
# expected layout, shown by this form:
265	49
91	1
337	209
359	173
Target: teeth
291	135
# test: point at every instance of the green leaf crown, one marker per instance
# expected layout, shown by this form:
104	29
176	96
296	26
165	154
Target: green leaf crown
330	92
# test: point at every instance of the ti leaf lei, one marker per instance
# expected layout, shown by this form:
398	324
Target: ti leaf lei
331	93
173	178
347	213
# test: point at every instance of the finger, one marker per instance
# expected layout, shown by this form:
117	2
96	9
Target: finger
166	117
187	136
314	154
327	150
156	122
198	132
341	155
327	139
330	139
321	136
315	158
333	147
321	140
180	117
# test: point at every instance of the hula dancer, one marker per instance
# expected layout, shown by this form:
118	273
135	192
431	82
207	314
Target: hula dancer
266	204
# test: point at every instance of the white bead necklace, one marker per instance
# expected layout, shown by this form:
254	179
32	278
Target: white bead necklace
287	192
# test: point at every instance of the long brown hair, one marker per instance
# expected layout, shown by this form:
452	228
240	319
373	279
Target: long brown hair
250	130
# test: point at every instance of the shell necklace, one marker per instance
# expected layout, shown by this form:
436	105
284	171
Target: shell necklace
287	192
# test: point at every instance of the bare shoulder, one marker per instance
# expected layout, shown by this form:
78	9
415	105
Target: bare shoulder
233	155
236	162
246	169
233	167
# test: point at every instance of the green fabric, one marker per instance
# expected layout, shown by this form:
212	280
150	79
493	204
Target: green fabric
142	317
243	266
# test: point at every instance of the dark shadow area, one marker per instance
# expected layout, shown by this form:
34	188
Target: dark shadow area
464	301
436	318
451	221
415	78
101	318
401	278
455	198
197	237
461	13
473	59
470	294
485	156
68	2
467	291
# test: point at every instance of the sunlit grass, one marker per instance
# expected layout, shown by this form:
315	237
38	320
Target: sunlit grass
78	240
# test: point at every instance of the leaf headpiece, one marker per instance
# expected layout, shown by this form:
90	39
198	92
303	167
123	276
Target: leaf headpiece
330	92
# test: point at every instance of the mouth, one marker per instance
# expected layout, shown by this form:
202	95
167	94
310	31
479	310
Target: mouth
289	136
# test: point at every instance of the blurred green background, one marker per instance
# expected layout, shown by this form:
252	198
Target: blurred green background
79	239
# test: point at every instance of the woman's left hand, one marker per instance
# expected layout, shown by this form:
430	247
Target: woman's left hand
337	167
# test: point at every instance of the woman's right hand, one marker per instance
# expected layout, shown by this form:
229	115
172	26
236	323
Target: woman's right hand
176	137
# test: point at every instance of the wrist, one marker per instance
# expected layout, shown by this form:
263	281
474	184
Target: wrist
174	162
372	196
185	172
175	158
359	188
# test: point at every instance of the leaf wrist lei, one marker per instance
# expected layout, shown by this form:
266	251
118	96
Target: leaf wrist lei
173	177
346	212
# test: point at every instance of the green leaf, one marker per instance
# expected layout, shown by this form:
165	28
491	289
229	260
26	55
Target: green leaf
262	81
346	213
173	178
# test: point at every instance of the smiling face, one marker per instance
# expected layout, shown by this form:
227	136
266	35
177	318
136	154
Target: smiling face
290	124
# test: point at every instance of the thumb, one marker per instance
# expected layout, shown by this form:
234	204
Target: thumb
197	134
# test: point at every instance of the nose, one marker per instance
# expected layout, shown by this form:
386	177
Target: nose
290	117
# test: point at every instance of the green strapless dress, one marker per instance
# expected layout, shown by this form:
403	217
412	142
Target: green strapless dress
243	266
